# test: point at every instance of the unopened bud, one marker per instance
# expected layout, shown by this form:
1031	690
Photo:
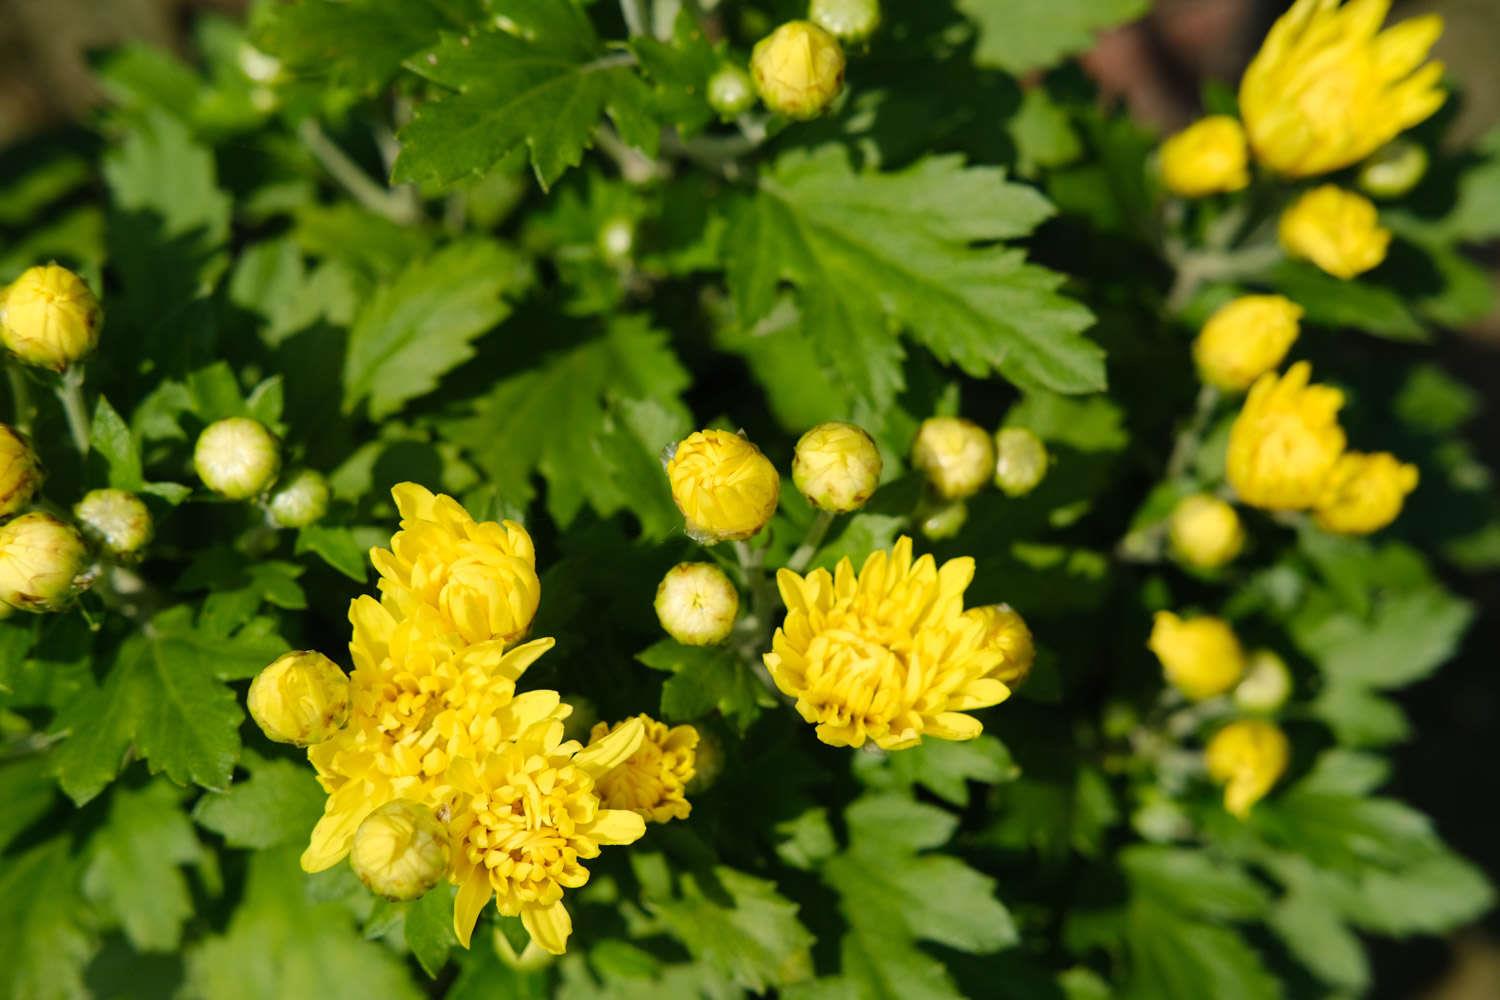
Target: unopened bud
400	851
1267	683
237	457
1205	531
957	456
836	466
725	488
730	91
697	604
946	521
49	318
43	563
1394	170
302	698
846	20
616	239
798	69
1021	461
20	472
1006	632
299	500
117	521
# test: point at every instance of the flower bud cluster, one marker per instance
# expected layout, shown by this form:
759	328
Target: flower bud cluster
958	458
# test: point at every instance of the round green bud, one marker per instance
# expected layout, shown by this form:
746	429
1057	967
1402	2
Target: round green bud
697	604
43	563
49	317
846	20
237	457
1021	461
1393	170
616	239
836	466
299	500
20	472
301	698
731	92
1267	683
400	851
945	521
957	456
115	520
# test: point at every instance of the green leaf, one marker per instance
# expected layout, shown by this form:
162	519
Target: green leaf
429	929
1359	305
945	767
1022	35
111	439
1315	933
422	323
1180	956
358	44
679	71
337	547
134	871
870	252
28	792
47	940
705	679
278	804
1194	882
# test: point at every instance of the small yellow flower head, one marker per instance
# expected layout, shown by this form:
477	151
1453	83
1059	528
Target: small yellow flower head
237	457
945	521
697	604
400	851
1248	758
1267	683
846	20
20	472
887	656
299	500
479	576
1006	630
302	698
651	782
1201	656
1285	441
730	91
117	521
725	488
43	563
1208	157
1394	170
1364	493
798	69
836	466
1205	532
1328	87
1021	461
957	456
49	318
1244	339
1337	230
524	819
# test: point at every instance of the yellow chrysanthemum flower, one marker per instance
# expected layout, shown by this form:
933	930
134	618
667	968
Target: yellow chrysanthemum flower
1285	441
524	818
725	488
1006	630
652	781
479	575
886	656
1208	157
1248	758
1337	230
1364	493
1204	531
1201	657
1328	87
1244	339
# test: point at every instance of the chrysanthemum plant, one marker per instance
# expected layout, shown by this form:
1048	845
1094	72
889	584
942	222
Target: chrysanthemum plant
550	530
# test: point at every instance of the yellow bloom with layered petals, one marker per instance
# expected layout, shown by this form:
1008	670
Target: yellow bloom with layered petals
1201	656
1207	157
480	576
1284	443
1248	758
725	488
652	781
1328	87
1337	230
525	817
888	655
1245	338
1364	493
1006	631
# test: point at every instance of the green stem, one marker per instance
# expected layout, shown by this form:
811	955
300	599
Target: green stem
816	532
1191	435
70	392
755	627
20	396
376	197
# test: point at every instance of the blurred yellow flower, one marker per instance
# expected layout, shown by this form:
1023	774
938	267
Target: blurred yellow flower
1248	758
1204	531
886	656
1285	441
1328	87
1245	338
1364	493
49	317
798	69
725	488
1337	230
1207	157
1201	656
957	455
652	781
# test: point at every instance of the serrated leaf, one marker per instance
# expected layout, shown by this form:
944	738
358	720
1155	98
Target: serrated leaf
705	679
1022	35
1194	882
134	871
47	942
945	767
337	547
1172	955
349	43
429	929
110	438
1359	305
277	804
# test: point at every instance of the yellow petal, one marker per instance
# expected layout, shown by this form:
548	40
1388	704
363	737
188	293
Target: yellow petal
954	726
473	893
517	660
617	826
549	926
413	501
610	752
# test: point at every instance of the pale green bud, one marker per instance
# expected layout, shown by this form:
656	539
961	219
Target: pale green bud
237	457
43	563
1021	461
1267	683
400	851
1393	170
846	20
697	604
299	500
730	91
836	466
946	521
115	520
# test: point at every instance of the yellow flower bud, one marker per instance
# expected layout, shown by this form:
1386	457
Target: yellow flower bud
957	456
1337	230
1267	683
1201	656
798	69
237	457
49	318
1205	532
20	473
302	698
652	781
400	851
836	466
946	521
1006	632
725	488
1207	157
1021	461
117	521
730	91
846	20
1244	339
697	604
43	563
299	500
1248	758
1284	443
1394	170
1364	493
